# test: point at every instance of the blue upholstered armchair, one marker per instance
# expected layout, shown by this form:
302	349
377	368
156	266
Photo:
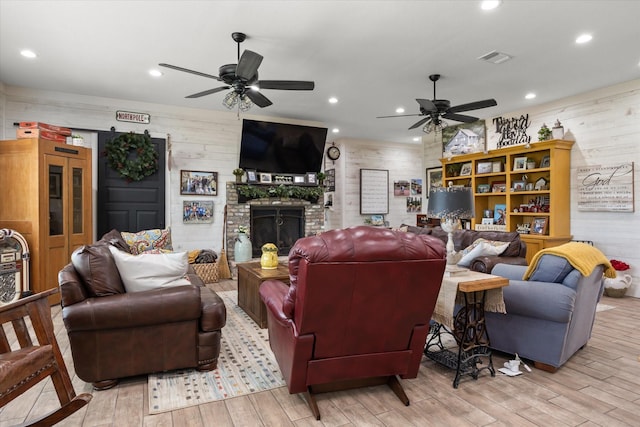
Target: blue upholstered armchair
549	316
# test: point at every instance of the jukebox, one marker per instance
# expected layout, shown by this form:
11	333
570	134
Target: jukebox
14	266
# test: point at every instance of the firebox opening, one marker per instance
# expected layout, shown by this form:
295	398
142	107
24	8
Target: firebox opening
281	226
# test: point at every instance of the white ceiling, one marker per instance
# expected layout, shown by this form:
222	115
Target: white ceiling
373	55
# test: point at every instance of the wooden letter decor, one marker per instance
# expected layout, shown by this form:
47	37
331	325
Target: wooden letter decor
512	131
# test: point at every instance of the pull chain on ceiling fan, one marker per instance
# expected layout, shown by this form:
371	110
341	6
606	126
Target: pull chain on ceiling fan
437	109
242	78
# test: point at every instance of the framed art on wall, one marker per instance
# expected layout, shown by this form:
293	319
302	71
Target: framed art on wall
201	183
374	191
434	178
464	138
197	212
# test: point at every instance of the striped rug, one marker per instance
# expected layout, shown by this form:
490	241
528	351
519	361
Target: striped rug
246	365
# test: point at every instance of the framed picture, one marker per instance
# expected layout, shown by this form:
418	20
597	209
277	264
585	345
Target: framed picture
466	169
519	163
545	162
484	188
298	179
487	221
539	225
401	188
518	185
265	178
252	176
312	178
197	212
434	178
199	183
496	167
500	214
485	167
416	186
498	186
464	138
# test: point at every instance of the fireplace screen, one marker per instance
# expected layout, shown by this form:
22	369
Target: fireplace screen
281	226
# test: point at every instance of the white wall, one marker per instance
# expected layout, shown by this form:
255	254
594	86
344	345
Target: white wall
605	124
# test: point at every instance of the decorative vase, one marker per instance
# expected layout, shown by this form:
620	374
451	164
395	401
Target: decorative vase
269	258
617	287
238	179
242	249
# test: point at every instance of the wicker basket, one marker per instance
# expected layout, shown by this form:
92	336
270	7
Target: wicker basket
615	292
207	272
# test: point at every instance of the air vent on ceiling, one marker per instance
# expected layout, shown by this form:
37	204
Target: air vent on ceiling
495	57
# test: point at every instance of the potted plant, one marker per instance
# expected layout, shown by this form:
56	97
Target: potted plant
238	172
544	134
321	177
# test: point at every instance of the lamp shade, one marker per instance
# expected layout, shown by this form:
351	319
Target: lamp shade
450	202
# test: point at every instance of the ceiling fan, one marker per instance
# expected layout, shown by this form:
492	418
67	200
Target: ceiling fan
438	109
242	78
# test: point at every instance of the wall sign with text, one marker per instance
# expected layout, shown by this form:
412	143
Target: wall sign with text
606	188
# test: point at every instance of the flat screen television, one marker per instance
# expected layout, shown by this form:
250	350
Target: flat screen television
281	148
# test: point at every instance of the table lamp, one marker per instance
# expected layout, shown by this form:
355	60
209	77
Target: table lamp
450	205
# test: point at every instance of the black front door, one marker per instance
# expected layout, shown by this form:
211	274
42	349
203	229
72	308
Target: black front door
129	205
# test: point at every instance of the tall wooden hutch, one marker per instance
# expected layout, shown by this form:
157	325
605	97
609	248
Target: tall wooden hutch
499	179
46	196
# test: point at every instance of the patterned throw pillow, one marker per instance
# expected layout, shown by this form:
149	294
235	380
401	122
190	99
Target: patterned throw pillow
146	240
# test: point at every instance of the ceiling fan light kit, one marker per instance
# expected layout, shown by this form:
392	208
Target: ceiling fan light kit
242	78
437	109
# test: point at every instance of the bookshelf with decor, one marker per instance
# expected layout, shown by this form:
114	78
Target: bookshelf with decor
519	188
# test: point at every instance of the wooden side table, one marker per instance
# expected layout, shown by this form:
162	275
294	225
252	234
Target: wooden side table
468	327
250	277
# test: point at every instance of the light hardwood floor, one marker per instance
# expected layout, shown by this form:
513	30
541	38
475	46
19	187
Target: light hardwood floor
598	386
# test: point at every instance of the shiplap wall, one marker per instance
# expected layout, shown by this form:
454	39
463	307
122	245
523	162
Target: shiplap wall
605	124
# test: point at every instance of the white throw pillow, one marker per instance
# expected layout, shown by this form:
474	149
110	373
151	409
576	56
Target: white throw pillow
481	247
151	271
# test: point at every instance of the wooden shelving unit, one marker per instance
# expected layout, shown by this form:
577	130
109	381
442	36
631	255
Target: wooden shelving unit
522	204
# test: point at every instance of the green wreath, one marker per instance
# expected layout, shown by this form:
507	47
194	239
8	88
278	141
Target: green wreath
140	166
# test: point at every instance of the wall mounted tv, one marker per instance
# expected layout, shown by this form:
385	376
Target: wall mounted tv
281	148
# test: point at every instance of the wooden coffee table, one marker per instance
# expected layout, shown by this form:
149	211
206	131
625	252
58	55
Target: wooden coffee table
250	277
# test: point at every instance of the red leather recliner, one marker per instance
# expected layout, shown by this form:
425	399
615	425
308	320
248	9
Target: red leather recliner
357	311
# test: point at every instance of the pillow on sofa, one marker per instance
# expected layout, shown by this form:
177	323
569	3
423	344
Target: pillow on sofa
148	239
114	238
551	269
98	271
151	271
481	247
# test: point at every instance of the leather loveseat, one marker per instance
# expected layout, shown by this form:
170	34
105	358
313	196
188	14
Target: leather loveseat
514	254
115	334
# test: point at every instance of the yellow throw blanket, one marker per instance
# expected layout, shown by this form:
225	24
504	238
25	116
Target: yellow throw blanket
581	256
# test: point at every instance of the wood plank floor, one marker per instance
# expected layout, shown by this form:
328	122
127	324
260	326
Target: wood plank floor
598	386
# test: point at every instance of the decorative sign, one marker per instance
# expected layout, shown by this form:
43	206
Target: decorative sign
606	188
128	116
374	191
512	131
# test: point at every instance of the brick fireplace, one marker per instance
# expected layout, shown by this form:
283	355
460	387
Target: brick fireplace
311	219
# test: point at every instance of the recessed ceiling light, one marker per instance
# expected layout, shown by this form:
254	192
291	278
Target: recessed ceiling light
416	139
490	4
255	88
28	53
333	100
399	110
335	130
155	73
584	38
530	95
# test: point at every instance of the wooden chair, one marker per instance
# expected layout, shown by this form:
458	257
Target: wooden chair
21	369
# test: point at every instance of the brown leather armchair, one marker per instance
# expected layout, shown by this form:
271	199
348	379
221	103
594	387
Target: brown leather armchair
115	334
358	309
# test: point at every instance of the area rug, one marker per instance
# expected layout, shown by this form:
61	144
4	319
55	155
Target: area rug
246	365
604	307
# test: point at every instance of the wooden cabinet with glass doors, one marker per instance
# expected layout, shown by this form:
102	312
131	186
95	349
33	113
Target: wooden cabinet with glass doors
525	189
46	196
